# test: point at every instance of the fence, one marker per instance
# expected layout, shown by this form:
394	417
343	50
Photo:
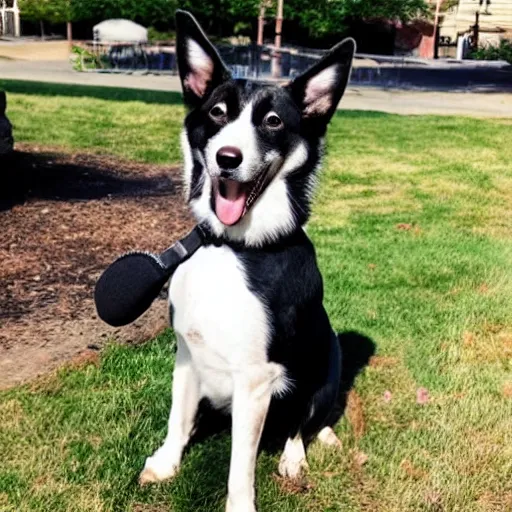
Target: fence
250	61
255	62
125	57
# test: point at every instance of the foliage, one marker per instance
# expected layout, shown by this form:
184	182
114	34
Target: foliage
58	11
242	28
221	11
320	17
54	11
503	51
83	59
147	12
157	35
446	5
324	17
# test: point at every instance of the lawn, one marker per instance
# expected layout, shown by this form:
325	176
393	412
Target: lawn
413	229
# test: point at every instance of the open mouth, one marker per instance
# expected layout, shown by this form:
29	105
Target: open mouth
233	199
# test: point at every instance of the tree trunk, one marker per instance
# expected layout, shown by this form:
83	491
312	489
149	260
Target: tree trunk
41	26
70	34
276	60
261	24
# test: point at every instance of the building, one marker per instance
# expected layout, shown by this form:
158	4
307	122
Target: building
494	20
9	18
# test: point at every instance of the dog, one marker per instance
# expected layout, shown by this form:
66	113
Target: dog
6	140
253	337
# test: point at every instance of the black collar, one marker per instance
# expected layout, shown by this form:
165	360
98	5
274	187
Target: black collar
210	238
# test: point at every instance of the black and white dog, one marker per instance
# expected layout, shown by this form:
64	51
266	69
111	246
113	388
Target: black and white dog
253	336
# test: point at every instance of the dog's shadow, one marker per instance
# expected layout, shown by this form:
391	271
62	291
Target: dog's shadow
356	350
202	481
57	177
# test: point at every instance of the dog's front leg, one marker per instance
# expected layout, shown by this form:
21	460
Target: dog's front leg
251	400
165	462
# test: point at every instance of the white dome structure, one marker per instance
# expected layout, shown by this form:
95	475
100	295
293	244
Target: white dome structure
120	30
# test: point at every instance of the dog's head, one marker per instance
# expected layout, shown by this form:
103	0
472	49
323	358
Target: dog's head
252	150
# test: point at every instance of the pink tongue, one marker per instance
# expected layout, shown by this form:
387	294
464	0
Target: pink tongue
230	209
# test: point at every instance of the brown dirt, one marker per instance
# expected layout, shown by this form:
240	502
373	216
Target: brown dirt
355	414
290	486
64	219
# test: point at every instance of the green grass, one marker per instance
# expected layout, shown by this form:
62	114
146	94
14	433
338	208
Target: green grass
413	229
138	125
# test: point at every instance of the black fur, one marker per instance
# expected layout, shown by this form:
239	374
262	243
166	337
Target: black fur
286	279
6	139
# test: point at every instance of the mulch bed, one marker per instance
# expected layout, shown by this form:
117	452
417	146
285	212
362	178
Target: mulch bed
64	218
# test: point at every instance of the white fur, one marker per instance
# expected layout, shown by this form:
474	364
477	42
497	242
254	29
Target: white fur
328	437
312	183
222	334
295	159
188	163
318	93
201	68
293	463
321	84
271	156
269	217
198	60
166	461
240	133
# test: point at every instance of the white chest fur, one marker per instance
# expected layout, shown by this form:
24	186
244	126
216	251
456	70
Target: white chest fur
224	325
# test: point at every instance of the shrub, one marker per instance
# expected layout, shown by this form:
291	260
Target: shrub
491	52
83	59
155	35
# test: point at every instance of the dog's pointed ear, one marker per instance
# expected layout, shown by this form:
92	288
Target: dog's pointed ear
319	89
200	66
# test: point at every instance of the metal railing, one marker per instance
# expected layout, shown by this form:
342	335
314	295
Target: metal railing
250	61
255	62
125	57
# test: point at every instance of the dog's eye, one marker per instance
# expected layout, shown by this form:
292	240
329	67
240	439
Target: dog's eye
218	111
273	121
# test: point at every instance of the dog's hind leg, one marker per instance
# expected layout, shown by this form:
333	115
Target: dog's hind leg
328	437
293	463
165	462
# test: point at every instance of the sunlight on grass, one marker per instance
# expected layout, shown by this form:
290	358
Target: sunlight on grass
412	226
144	126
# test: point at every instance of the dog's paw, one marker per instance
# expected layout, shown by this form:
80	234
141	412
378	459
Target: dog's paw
157	469
293	468
328	438
240	505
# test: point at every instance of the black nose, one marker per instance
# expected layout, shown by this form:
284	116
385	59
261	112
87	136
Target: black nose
229	157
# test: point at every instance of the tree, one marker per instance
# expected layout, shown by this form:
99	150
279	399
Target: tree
35	10
52	11
323	17
146	12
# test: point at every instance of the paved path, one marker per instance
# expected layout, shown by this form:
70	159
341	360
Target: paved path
356	98
35	50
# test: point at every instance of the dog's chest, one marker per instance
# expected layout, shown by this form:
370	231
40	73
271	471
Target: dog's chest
223	323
